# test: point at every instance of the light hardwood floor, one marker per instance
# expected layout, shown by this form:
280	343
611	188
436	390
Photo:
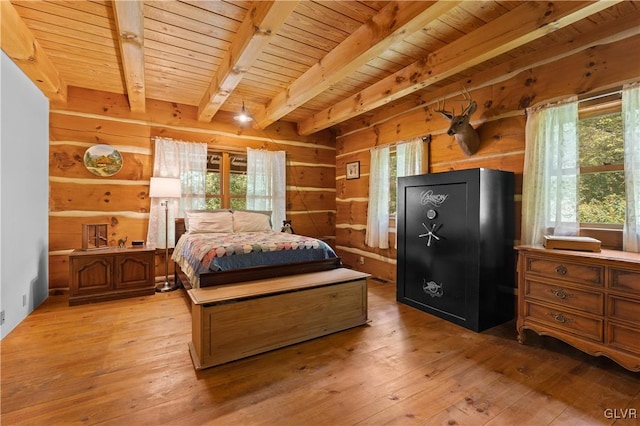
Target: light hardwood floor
127	363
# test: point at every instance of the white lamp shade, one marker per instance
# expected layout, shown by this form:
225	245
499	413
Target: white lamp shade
243	117
162	187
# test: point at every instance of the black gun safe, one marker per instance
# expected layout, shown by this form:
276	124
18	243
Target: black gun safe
455	246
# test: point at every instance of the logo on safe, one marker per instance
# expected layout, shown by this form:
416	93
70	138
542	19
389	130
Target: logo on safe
432	288
428	197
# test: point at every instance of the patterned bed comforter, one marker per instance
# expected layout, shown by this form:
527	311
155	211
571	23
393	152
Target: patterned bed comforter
198	253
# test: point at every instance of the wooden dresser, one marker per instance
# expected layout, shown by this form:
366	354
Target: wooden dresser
589	300
111	273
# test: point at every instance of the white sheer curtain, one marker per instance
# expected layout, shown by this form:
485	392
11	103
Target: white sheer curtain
377	234
631	123
177	159
409	157
550	178
408	162
267	184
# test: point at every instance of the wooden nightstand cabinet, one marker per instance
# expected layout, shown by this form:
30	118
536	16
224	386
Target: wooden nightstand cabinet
112	273
588	300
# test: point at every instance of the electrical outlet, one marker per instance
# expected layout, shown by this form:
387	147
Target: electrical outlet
1	317
361	260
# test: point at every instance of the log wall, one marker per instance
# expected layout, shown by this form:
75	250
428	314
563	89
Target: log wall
321	202
76	196
500	121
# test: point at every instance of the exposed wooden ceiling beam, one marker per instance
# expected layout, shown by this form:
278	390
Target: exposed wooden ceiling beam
20	45
521	25
395	21
261	24
130	29
624	27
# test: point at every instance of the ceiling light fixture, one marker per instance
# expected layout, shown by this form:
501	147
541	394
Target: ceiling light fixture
243	117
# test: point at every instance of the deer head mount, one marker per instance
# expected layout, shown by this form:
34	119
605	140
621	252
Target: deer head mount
459	127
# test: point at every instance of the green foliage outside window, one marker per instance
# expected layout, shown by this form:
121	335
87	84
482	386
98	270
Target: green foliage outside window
212	187
212	183
239	203
238	190
238	184
602	194
213	204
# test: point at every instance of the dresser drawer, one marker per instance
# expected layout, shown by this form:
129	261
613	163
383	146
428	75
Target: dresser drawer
559	270
623	337
565	321
578	299
624	280
624	309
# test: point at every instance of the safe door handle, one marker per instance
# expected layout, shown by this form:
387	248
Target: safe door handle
431	233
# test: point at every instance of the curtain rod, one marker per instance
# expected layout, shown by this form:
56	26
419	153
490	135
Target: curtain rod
603	95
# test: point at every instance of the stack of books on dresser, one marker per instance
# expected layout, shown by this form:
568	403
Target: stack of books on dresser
572	243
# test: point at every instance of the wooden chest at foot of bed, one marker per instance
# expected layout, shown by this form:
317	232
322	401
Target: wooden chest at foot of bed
235	321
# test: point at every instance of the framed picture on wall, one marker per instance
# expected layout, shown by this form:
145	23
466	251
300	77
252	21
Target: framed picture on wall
103	160
353	170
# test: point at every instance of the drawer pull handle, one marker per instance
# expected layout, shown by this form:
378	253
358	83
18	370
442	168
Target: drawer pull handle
560	293
560	318
561	269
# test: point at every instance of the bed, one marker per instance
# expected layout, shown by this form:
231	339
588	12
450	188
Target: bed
216	247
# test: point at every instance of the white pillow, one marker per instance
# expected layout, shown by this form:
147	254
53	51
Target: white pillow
244	221
190	213
205	222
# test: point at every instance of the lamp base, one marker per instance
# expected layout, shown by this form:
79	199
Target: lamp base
166	287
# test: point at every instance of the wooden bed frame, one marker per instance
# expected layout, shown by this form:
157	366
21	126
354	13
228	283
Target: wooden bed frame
211	279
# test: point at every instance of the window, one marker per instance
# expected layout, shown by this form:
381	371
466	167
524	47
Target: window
596	202
393	181
405	159
386	166
601	187
226	181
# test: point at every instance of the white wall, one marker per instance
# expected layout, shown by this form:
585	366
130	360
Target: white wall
24	195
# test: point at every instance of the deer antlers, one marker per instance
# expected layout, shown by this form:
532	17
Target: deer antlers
466	136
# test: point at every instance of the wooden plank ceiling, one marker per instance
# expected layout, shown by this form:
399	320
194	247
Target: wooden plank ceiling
317	63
